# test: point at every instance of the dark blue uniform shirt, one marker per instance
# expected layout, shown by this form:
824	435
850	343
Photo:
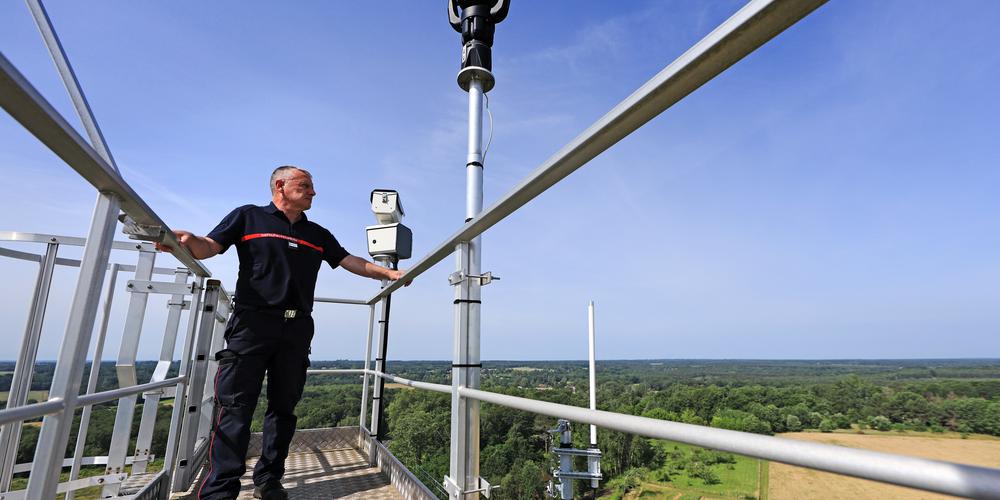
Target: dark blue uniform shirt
279	261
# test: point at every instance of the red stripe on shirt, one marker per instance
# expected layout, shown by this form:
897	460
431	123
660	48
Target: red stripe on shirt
283	237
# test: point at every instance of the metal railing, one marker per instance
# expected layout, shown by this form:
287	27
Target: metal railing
193	372
93	161
741	34
738	36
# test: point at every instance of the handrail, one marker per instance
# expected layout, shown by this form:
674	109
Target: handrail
65	240
36	115
392	378
931	475
925	474
19	413
741	34
103	397
54	405
332	300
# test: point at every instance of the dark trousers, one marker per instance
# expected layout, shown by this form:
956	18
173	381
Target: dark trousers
257	342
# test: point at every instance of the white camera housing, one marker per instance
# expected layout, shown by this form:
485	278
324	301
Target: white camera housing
390	239
387	206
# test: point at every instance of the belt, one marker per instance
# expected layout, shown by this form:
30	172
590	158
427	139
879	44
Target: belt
276	311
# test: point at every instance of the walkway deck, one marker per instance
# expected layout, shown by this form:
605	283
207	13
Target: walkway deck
320	469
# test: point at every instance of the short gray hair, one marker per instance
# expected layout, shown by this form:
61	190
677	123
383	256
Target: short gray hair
284	172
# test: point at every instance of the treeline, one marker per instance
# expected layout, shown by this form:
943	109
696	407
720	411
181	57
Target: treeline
513	443
41	379
760	397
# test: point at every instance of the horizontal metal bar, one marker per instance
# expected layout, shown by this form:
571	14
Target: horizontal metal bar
36	115
15	254
331	300
741	34
73	485
413	383
577	452
98	460
73	241
345	371
576	475
165	287
392	378
920	473
34	410
103	397
34	257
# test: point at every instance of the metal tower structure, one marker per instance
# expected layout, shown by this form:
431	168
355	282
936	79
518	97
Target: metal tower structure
192	292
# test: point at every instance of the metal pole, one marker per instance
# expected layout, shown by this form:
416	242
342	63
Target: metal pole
749	28
466	365
95	371
24	369
125	367
54	436
151	402
378	408
175	439
69	80
188	442
368	358
566	463
593	463
66	380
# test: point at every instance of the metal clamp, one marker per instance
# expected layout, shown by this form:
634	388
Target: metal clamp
142	232
484	487
458	277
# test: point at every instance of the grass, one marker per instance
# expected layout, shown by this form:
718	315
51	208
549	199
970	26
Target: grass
740	480
763	478
36	395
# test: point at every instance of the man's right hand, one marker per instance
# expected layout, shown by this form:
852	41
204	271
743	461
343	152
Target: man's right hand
183	237
200	247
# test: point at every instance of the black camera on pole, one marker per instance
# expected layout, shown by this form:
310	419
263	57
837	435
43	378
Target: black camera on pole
476	20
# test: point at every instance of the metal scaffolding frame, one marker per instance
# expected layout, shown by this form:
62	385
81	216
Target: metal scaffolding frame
749	28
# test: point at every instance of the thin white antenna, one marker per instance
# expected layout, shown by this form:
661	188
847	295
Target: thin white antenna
593	374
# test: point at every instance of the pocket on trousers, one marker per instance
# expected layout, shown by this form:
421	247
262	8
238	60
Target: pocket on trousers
226	378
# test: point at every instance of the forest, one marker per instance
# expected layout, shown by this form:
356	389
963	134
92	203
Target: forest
765	397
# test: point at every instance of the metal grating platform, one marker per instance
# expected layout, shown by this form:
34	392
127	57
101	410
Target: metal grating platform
342	473
323	463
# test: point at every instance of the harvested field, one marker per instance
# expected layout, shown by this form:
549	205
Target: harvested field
788	482
393	385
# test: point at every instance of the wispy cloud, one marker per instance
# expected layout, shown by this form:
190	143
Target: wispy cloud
158	190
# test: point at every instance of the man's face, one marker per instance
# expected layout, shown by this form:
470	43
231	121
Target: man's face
297	190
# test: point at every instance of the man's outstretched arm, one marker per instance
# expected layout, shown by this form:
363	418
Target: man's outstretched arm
200	247
362	267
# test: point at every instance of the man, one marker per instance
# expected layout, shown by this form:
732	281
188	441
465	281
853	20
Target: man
280	253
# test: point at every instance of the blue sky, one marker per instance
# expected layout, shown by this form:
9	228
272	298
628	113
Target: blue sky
833	195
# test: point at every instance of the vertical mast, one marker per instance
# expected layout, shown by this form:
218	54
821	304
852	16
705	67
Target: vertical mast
475	20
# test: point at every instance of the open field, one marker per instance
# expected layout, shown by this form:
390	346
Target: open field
736	480
787	482
36	395
393	385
